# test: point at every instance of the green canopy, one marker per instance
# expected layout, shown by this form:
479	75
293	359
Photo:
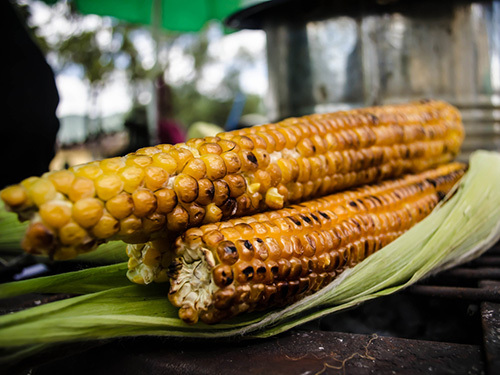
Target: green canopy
175	15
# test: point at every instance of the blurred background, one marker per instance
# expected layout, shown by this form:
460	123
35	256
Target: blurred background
100	78
146	75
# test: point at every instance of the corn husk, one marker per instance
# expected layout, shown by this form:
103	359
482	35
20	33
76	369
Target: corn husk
12	232
457	231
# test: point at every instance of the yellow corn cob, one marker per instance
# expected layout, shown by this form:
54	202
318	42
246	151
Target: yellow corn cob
159	190
275	258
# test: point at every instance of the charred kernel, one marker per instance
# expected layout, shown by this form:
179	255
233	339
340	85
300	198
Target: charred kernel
227	252
177	219
195	168
209	148
223	298
248	160
206	191
120	206
228	208
247	273
228	145
87	212
243	293
186	188
166	200
144	202
260	271
223	275
232	161
284	268
196	214
236	184
295	269
243	205
153	222
262	156
221	192
216	168
245	253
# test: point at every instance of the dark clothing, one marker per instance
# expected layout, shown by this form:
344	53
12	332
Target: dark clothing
28	122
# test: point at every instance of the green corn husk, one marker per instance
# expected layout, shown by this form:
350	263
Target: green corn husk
459	230
12	232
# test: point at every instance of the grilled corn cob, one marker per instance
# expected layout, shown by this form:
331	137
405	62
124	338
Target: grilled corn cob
167	189
275	258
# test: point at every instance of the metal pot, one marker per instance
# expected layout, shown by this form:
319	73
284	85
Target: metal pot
330	55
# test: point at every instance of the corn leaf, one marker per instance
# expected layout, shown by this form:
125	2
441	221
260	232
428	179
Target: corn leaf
78	282
459	230
12	232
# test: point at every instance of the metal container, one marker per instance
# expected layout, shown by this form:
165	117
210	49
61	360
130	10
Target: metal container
330	55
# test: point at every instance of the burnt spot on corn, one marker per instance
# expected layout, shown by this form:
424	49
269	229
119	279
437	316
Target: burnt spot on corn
373	119
248	272
306	219
353	204
223	276
173	270
248	245
315	217
324	215
251	158
261	270
441	194
227	252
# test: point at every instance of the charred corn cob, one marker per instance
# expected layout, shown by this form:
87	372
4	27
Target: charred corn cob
165	189
275	258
